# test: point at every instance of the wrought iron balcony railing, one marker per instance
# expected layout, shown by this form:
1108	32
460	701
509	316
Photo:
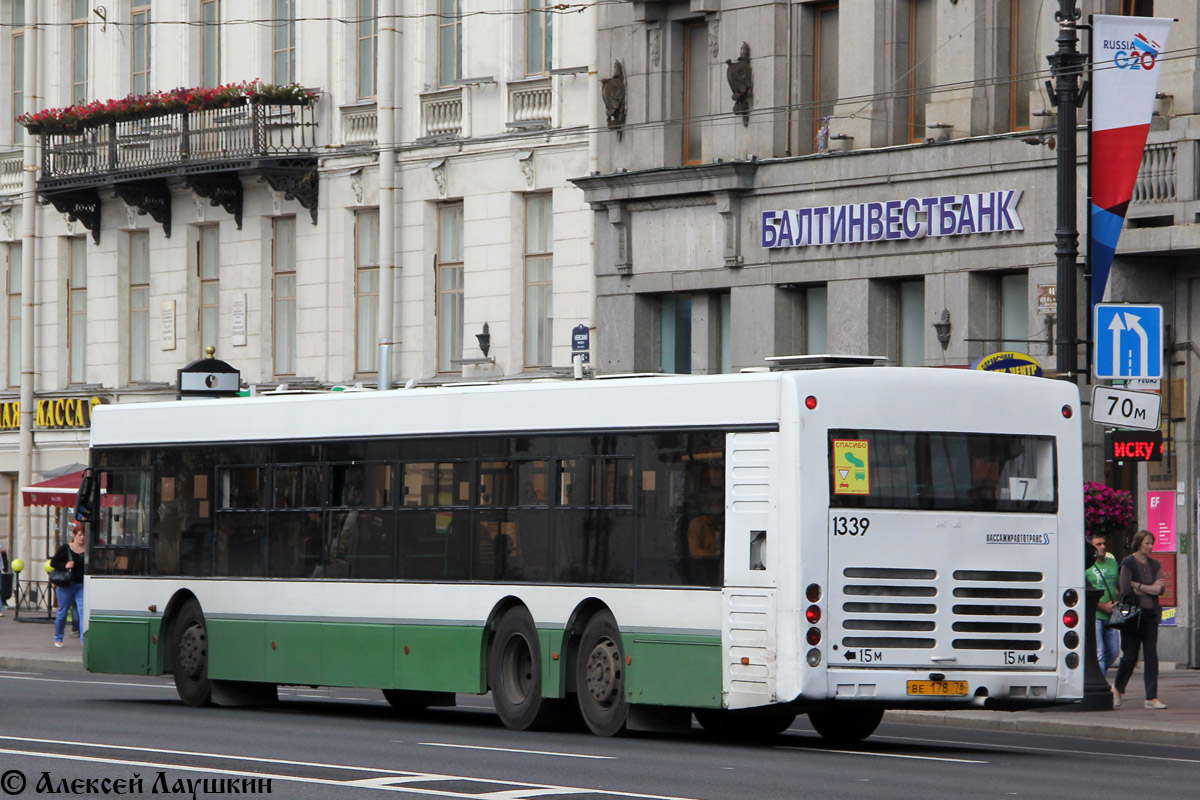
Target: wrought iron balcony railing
176	141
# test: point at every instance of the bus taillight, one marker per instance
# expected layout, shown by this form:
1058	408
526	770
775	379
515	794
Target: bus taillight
814	636
813	614
814	657
810	402
1067	412
1070	618
1070	598
813	593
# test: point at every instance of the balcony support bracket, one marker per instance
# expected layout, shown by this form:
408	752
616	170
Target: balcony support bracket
151	197
222	189
80	205
299	183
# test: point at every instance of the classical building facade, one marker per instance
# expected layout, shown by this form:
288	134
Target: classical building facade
877	177
256	229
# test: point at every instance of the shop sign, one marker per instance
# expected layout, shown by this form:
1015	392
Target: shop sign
52	413
1133	445
1047	298
1012	363
913	218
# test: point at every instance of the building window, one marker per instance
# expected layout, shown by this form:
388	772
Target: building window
77	310
210	43
449	25
140	50
539	38
918	76
368	49
1137	8
1014	312
366	288
450	287
79	51
283	47
1023	61
139	306
675	323
911	344
825	63
17	70
816	302
283	263
539	266
208	268
15	267
695	90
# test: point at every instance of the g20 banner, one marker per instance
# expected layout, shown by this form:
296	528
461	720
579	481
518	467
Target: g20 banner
1126	62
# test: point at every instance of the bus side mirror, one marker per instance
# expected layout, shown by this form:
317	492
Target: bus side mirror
85	503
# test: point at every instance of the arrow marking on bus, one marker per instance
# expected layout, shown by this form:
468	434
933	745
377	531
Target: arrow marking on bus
512	750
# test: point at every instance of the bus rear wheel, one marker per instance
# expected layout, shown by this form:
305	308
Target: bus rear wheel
600	676
515	675
842	725
755	724
190	651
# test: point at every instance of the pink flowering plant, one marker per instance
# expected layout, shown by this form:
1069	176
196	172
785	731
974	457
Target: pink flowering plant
95	113
1106	510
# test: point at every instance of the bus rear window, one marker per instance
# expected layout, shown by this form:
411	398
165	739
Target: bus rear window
936	471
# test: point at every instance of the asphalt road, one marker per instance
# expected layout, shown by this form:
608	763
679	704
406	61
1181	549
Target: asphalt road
59	731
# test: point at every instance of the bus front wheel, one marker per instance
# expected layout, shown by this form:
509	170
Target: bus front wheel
600	676
515	675
845	725
191	656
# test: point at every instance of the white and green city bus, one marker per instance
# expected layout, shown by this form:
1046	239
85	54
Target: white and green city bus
743	547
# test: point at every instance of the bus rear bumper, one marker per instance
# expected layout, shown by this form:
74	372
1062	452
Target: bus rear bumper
949	689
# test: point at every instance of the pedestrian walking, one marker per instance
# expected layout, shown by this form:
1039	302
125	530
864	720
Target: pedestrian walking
1105	575
70	557
1141	579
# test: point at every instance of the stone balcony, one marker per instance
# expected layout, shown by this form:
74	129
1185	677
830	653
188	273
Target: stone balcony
206	149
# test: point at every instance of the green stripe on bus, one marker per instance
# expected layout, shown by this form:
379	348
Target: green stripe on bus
673	669
664	669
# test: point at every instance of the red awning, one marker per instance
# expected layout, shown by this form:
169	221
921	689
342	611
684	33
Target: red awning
59	492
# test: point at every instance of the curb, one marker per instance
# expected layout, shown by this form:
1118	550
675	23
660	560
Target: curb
1058	725
18	664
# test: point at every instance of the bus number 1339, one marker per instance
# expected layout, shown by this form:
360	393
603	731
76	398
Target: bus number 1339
850	526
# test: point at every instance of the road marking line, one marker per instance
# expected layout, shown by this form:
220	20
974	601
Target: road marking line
513	750
88	683
1049	749
520	789
883	755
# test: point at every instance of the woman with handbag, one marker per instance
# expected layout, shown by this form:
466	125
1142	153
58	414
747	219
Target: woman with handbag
69	557
1141	580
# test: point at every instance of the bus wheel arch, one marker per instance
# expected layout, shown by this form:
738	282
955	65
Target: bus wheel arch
514	673
189	653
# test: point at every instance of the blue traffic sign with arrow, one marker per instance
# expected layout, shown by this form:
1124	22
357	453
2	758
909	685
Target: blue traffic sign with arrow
1129	341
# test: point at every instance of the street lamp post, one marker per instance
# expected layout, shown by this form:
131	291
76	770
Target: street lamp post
1066	65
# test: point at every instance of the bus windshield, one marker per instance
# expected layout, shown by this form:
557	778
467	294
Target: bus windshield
937	471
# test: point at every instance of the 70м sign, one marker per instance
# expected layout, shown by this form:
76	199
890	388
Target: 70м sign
1125	409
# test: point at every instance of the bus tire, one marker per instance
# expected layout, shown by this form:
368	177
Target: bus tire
846	724
515	675
189	649
600	676
754	724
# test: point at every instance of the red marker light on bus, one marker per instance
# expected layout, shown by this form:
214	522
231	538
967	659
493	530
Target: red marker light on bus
813	614
810	402
1070	618
1068	412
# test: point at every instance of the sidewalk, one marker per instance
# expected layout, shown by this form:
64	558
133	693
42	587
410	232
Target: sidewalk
29	647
